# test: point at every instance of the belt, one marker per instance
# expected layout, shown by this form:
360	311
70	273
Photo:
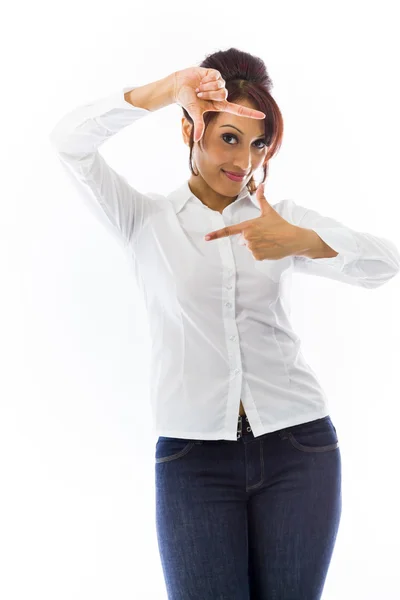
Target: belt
243	427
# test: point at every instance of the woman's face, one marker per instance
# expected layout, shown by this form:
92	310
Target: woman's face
230	143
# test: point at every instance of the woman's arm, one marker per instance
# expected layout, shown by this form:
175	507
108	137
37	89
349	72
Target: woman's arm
77	138
358	258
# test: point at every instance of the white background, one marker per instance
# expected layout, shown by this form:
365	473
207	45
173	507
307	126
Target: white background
77	514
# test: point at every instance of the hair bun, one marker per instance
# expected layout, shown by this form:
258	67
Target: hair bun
236	65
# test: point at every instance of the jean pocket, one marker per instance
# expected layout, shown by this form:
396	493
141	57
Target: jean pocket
315	436
168	449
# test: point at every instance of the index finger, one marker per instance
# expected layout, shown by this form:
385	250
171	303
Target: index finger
225	231
243	111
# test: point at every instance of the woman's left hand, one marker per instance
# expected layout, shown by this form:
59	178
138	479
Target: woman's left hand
268	236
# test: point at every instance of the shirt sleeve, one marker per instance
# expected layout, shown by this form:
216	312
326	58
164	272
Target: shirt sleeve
363	259
77	138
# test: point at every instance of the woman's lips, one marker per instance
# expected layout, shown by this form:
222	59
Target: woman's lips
232	176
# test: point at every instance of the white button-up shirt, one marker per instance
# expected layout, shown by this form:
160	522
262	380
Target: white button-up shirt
218	318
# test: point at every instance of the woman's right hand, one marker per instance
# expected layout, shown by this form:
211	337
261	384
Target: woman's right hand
210	82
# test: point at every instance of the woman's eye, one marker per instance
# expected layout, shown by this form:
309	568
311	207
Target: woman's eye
231	135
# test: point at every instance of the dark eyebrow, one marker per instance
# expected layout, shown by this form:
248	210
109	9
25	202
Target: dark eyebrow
228	125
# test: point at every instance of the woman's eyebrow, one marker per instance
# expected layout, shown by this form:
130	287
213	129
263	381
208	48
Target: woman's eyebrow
228	125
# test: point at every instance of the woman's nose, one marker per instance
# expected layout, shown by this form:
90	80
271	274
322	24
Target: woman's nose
243	162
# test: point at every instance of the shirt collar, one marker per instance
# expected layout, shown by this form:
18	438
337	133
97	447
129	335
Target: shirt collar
183	193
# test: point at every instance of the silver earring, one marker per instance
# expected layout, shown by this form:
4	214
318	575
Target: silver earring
194	167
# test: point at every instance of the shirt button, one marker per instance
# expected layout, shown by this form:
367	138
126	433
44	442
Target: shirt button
236	371
228	304
228	287
233	337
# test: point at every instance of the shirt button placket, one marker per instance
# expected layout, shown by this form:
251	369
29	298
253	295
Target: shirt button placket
227	256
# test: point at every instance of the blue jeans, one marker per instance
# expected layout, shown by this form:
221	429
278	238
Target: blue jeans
254	519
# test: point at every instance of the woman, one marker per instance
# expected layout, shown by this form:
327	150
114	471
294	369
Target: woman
247	462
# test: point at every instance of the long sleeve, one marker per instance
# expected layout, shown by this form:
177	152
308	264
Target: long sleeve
363	259
109	197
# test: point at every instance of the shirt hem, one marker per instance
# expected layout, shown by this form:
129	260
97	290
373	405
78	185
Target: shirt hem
257	431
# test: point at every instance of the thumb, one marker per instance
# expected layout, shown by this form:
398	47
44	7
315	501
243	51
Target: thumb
260	189
198	132
198	129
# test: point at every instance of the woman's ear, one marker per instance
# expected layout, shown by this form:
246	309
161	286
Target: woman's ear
186	130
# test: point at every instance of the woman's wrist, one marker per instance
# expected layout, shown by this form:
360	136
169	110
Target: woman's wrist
154	95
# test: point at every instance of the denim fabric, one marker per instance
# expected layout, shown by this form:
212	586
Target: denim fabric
252	519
